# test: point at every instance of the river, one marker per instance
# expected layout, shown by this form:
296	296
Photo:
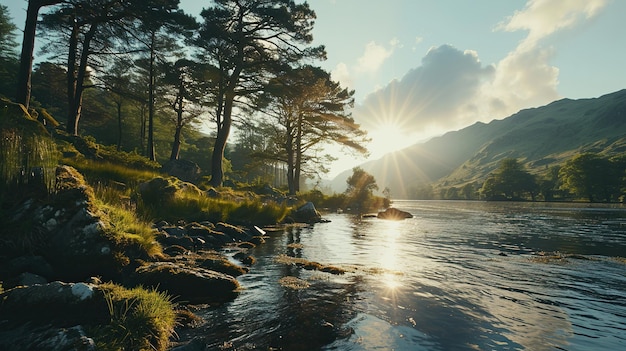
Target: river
457	276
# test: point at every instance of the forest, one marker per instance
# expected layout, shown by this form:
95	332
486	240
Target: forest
148	79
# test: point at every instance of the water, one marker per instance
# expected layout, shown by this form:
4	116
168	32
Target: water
458	276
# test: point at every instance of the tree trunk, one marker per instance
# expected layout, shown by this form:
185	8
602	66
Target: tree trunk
151	152
290	165
142	131
298	161
176	144
22	94
24	73
217	173
77	103
178	107
71	78
119	123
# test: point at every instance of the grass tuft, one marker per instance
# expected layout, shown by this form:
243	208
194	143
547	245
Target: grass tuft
126	228
140	319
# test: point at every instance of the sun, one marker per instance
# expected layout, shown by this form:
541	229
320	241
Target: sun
389	137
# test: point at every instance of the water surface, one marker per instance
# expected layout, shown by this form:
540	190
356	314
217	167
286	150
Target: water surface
457	276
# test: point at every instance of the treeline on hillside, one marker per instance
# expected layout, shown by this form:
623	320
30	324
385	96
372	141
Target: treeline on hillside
148	78
587	177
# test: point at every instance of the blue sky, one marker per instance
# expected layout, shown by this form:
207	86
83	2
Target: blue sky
424	67
421	68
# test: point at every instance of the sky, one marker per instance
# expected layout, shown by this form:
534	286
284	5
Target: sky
421	68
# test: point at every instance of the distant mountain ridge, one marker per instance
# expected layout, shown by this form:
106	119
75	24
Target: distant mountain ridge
539	137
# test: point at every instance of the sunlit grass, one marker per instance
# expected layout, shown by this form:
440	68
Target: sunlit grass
140	319
126	227
192	206
106	172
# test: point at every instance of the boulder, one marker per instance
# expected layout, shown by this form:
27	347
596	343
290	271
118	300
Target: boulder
67	232
161	190
394	214
22	264
27	278
233	231
184	170
56	302
158	190
306	213
78	246
48	338
194	285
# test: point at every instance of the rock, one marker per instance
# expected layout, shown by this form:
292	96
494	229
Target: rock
27	279
158	190
307	213
161	190
257	240
221	264
176	231
219	238
183	241
235	232
56	302
245	258
394	214
196	229
47	338
195	285
184	170
32	264
175	250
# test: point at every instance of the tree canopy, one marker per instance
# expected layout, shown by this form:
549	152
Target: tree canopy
246	42
509	181
307	109
593	177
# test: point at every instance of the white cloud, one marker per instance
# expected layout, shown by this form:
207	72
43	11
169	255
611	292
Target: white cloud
341	74
525	77
373	57
452	89
432	95
544	17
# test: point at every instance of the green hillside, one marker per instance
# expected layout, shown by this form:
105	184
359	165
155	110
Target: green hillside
539	137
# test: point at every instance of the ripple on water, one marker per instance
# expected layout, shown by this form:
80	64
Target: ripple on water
457	276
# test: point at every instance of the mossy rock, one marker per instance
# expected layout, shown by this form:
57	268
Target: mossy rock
194	285
105	316
15	116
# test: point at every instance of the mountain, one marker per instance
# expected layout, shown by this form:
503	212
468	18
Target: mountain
538	137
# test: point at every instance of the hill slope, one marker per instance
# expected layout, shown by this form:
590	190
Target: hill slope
539	137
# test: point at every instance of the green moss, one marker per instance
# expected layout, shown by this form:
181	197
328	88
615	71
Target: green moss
140	319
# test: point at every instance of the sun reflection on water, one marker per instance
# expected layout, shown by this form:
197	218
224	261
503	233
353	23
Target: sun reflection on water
388	260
